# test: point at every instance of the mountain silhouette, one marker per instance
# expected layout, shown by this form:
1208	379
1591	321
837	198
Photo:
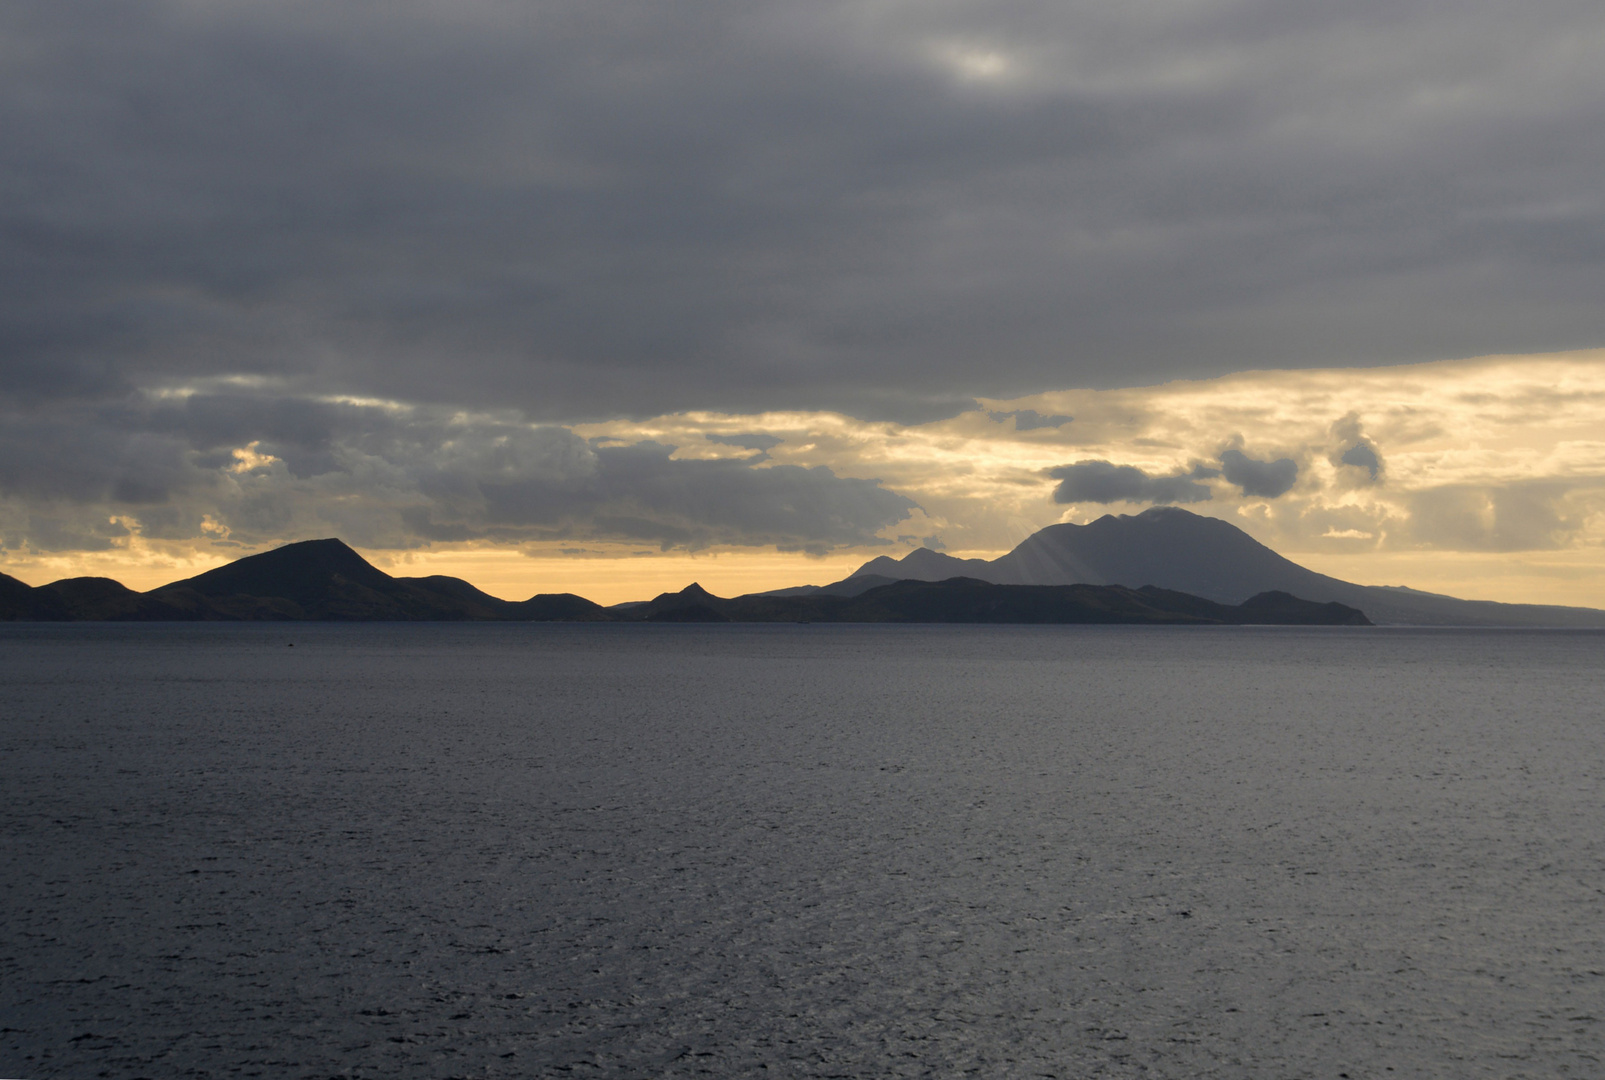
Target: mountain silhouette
851	586
104	599
691	604
320	580
19	600
968	600
317	579
1175	549
923	564
1164	565
325	580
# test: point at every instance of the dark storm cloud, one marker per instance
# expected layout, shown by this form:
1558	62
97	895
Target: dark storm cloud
583	210
1266	479
1106	482
262	468
641	492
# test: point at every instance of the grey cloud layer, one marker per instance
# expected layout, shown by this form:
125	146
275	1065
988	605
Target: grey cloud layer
584	210
384	477
1265	479
1106	482
1030	419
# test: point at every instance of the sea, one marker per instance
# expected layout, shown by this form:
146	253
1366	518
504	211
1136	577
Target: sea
522	850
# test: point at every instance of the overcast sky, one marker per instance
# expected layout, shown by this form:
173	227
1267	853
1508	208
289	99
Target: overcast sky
391	270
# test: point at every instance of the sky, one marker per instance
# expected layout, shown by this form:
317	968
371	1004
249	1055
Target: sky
607	298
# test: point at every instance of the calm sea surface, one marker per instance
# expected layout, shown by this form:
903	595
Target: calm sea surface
504	850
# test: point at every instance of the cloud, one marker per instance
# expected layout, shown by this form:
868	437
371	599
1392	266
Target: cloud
583	212
1355	448
1030	419
1517	517
1364	456
748	441
1267	479
262	469
1106	482
1484	457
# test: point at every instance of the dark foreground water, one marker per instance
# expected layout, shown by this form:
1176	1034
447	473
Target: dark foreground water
433	851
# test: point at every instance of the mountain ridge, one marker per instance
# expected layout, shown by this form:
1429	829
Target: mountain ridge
1172	548
325	580
312	580
1166	560
968	600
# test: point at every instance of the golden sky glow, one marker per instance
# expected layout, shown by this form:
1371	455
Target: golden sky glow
1491	483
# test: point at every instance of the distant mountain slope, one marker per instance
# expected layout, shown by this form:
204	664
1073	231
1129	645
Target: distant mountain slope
1171	548
851	586
923	564
1166	560
967	600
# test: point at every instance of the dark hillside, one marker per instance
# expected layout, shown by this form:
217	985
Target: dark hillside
558	607
20	601
303	572
102	599
923	564
325	580
1166	547
1174	549
966	600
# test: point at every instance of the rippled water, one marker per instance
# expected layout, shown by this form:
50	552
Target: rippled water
800	851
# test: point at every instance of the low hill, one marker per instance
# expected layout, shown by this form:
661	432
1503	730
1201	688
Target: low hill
1171	548
923	564
1164	565
103	599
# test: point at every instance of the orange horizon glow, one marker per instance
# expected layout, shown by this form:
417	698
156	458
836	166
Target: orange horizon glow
507	574
1569	578
1493	485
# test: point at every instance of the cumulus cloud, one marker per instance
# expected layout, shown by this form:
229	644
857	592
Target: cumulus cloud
1355	448
1106	482
1363	456
1482	457
1266	479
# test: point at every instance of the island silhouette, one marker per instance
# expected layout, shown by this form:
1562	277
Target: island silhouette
1162	566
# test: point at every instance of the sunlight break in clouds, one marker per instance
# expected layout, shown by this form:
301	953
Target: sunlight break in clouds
975	63
1498	460
1483	478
